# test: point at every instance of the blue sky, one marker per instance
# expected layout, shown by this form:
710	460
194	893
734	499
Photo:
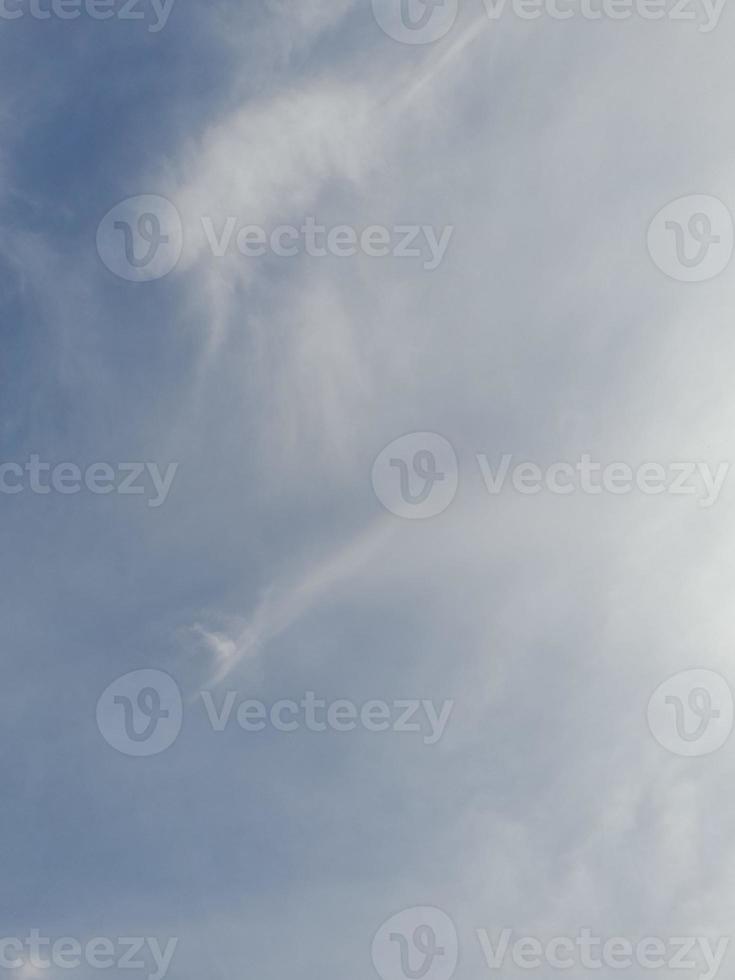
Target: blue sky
272	569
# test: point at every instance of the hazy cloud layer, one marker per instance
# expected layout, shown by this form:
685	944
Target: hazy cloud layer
546	332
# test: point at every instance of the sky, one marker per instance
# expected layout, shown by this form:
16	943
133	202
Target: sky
272	550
